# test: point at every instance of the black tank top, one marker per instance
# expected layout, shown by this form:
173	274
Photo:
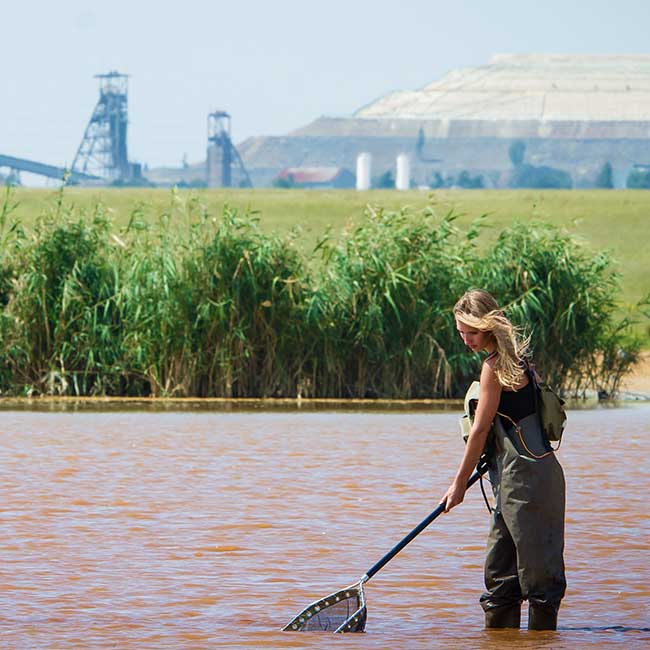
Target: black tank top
517	404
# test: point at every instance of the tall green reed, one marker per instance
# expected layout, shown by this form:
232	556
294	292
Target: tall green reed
64	323
185	303
565	296
211	307
10	239
384	306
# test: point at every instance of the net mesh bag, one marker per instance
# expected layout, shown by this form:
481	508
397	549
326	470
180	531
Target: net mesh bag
342	611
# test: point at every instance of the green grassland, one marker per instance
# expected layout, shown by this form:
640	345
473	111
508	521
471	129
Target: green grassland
615	220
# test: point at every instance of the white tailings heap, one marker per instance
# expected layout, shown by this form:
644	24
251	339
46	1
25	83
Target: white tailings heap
545	87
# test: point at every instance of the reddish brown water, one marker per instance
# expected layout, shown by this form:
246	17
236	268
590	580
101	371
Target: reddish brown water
211	530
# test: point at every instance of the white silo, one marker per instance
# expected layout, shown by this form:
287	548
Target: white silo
403	176
364	164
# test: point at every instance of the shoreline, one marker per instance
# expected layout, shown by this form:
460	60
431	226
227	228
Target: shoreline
628	395
635	388
227	403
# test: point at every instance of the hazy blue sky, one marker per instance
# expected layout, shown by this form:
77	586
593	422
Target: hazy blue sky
274	65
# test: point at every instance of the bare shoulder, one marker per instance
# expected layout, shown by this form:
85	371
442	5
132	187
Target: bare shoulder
490	391
488	374
490	361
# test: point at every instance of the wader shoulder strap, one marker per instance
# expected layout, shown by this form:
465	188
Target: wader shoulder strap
536	390
517	429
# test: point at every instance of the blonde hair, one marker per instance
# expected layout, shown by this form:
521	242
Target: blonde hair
478	309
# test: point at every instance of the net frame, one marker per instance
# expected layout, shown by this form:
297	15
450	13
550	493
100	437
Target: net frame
354	622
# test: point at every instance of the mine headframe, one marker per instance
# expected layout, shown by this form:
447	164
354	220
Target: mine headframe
222	155
103	148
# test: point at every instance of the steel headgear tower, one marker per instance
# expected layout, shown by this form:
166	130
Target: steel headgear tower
222	154
103	151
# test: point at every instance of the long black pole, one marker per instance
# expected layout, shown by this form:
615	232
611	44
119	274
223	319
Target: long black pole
480	470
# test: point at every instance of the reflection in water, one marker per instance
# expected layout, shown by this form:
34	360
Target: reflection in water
209	530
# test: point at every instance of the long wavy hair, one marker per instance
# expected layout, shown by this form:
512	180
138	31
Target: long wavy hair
478	309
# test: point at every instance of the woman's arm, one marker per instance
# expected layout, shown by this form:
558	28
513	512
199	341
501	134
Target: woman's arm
488	402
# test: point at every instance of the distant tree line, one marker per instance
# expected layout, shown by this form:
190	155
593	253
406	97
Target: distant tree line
463	179
639	179
542	177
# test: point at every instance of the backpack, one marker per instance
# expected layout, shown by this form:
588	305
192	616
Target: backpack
550	408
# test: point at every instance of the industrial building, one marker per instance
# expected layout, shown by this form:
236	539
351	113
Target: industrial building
315	178
568	119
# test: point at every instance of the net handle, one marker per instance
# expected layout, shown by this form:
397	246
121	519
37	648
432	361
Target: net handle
480	470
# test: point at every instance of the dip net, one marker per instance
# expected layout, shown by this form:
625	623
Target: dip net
342	611
345	610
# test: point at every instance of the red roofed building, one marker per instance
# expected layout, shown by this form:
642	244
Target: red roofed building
315	177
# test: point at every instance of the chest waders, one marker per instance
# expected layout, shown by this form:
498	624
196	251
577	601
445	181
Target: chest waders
526	540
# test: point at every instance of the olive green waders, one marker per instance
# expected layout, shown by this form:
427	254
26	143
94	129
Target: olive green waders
526	541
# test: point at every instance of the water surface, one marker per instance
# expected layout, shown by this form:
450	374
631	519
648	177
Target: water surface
212	529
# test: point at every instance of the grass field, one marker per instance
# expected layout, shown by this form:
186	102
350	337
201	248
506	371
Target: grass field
615	220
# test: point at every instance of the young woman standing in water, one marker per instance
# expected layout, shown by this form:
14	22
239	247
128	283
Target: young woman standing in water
526	541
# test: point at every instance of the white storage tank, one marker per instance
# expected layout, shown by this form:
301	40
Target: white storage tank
364	164
403	176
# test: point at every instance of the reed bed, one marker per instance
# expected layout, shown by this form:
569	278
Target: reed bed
193	304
